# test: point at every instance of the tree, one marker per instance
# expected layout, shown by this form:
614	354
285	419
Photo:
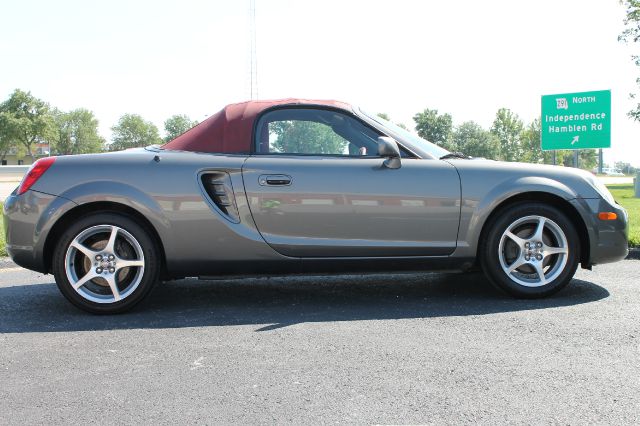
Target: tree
568	160
76	133
7	141
631	34
133	131
26	120
507	127
530	139
307	137
588	159
547	156
176	125
625	167
436	128
471	139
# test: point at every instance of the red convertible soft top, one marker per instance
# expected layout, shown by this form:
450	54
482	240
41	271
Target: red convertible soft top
230	129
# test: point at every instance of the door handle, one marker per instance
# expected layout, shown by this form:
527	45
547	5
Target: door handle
274	180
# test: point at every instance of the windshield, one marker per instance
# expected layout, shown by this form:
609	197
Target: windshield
408	137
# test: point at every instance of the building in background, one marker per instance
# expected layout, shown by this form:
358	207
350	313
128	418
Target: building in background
16	158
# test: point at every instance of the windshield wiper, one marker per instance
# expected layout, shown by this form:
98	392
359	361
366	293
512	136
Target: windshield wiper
455	155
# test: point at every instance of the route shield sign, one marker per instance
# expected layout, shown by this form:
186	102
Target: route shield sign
576	120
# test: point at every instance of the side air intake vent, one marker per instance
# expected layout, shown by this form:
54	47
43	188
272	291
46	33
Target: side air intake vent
220	191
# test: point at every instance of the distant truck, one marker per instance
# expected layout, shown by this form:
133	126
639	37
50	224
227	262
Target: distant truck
609	171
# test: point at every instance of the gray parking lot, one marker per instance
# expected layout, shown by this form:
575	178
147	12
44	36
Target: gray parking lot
431	348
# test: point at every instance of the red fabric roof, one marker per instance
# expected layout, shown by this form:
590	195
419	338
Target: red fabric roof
230	129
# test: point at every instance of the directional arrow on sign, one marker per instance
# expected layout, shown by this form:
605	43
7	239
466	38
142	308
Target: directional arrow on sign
575	139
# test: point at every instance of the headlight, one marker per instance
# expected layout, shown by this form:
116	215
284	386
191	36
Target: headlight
601	189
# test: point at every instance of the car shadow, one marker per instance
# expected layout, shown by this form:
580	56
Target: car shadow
272	303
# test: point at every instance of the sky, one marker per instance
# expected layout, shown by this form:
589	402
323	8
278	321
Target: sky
467	58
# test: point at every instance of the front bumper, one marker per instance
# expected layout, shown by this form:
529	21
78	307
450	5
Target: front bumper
28	219
608	239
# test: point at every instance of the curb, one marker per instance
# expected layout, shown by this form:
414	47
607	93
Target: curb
634	253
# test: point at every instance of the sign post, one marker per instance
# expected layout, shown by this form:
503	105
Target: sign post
600	161
576	121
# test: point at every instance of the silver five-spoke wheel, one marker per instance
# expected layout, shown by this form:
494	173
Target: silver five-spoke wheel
533	251
530	249
104	264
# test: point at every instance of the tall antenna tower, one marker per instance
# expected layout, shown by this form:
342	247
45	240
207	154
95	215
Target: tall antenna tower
253	85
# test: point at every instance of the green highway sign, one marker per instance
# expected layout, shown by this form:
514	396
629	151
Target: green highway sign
576	120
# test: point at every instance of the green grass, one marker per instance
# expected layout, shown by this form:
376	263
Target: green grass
624	195
3	249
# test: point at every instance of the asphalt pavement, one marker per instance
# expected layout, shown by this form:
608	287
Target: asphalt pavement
401	349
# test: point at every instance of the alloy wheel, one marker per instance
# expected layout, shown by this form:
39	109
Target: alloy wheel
104	264
533	251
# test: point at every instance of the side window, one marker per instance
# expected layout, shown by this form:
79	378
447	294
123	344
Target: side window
308	131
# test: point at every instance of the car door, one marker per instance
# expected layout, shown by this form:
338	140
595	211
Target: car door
316	187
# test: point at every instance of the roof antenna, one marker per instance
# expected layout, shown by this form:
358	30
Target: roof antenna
254	58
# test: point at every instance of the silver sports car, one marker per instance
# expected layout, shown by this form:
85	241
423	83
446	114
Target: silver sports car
303	187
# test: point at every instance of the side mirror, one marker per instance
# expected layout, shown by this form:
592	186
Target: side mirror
388	148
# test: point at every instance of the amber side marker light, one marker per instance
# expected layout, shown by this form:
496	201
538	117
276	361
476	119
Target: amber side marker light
35	172
607	216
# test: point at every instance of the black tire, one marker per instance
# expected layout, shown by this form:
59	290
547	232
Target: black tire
140	279
521	282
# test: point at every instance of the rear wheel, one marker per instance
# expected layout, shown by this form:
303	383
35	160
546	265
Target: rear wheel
105	263
530	250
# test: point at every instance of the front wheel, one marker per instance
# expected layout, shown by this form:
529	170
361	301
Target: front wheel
531	250
105	263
